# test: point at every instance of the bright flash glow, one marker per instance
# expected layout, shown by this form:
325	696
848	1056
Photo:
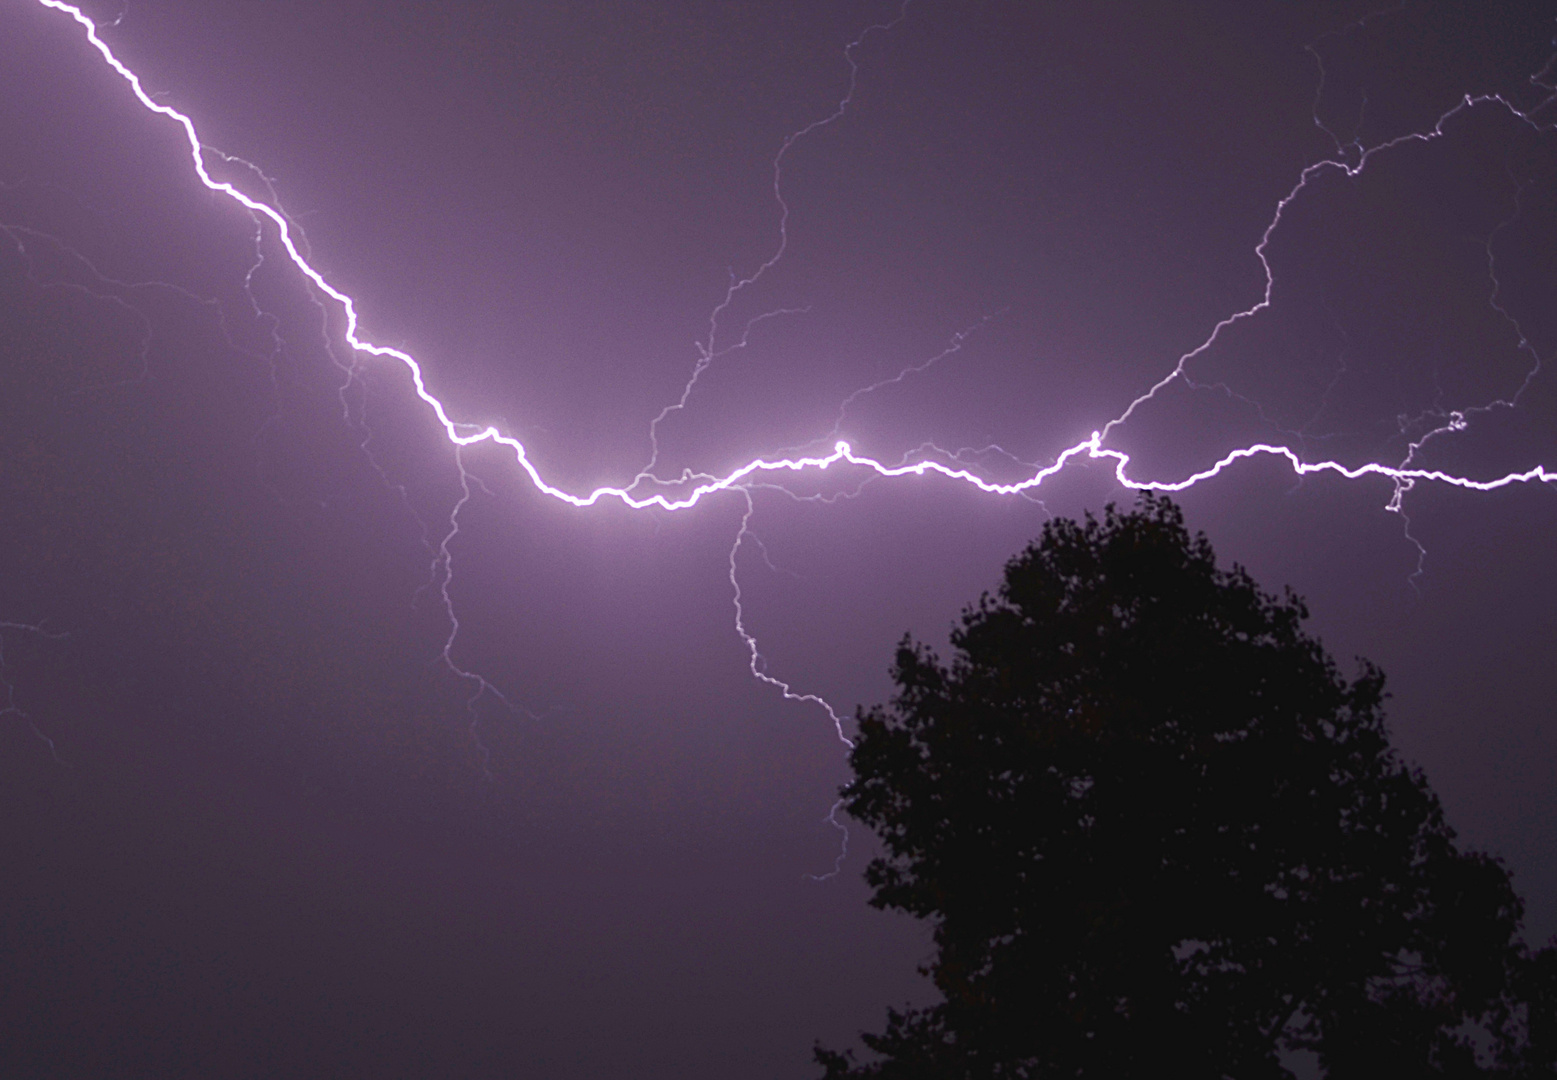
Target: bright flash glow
634	496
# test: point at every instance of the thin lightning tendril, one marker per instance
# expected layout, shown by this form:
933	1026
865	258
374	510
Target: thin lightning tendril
706	348
8	705
758	669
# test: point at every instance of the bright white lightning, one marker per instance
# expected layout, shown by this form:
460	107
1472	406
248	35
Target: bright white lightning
465	434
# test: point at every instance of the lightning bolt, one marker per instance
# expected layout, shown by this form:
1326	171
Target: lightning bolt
697	487
649	491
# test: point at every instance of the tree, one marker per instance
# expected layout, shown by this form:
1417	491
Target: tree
1157	833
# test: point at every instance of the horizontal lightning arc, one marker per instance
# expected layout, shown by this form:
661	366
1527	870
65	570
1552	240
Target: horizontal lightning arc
461	434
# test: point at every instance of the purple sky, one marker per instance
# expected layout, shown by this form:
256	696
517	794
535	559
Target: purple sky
278	835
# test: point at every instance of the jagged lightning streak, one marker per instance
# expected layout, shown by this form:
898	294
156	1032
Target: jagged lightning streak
755	656
650	491
1261	251
694	489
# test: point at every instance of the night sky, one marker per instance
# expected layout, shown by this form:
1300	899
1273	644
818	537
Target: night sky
258	816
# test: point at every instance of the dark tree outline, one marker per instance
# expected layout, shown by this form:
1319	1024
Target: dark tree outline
1213	869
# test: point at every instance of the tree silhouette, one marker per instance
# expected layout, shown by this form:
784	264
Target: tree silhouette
1157	833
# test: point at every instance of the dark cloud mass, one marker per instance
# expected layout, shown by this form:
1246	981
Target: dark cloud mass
255	825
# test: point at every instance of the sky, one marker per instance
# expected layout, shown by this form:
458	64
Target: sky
327	749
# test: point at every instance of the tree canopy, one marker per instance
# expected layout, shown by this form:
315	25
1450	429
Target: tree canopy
1157	831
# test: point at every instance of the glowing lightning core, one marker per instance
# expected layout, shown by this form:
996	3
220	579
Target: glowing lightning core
466	434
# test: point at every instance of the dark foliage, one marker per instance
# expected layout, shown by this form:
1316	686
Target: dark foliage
1157	833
